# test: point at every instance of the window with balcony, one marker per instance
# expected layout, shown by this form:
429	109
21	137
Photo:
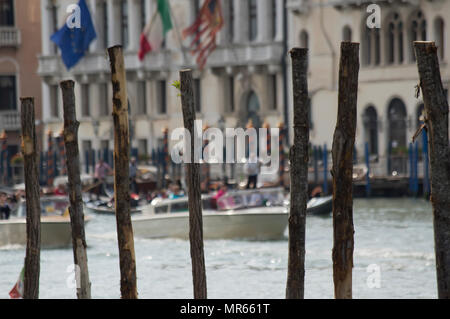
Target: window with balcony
54	23
273	81
439	36
54	101
371	46
394	40
143	15
274	18
347	34
162	97
85	100
230	25
304	39
8	94
252	20
142	146
7	13
104	8
417	31
124	21
103	100
197	95
229	94
141	107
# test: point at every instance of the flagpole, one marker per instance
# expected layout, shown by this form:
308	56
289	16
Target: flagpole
177	30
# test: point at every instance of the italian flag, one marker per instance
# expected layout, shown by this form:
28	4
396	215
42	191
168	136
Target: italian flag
17	291
155	31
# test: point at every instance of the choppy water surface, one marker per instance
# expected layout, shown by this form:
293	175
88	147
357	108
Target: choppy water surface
395	235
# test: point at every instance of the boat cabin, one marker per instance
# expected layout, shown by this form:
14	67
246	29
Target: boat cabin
232	200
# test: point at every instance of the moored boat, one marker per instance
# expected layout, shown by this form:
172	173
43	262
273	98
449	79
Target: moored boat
56	231
104	209
320	205
249	214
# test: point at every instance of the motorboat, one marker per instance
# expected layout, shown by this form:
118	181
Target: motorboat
257	214
103	208
56	231
320	205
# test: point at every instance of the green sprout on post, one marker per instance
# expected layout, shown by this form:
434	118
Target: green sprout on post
176	84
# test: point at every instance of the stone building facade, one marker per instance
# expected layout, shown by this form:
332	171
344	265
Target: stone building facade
20	44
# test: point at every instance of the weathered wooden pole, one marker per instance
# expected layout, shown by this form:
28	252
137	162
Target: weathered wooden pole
194	192
436	121
121	175
342	153
72	156
33	210
299	157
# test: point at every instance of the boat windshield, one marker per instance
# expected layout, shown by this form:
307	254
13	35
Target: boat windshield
250	199
49	207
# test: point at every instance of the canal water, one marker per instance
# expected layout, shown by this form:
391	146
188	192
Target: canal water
393	258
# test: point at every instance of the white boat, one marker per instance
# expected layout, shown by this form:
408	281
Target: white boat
103	209
251	214
56	231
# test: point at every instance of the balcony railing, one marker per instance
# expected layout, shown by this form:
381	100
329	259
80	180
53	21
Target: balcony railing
247	54
9	37
9	120
98	62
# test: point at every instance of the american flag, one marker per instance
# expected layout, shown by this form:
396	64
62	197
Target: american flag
204	30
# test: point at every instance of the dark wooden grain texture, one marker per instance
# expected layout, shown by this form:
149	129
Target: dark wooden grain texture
75	196
128	285
342	170
436	120
33	209
298	156
194	192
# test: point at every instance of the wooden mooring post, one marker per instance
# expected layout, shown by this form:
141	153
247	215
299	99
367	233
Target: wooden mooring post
342	155
125	237
70	135
436	121
193	186
299	157
33	210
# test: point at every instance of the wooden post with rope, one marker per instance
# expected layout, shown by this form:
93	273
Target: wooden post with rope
299	176
33	209
342	154
70	135
194	192
436	123
121	175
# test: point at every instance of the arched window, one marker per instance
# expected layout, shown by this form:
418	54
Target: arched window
304	39
417	30
370	122
397	123
371	46
347	34
394	39
439	37
397	149
252	20
419	122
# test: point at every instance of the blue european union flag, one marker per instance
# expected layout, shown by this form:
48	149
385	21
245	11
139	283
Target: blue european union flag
74	42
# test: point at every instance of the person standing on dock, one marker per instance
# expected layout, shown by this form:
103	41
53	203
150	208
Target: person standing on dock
102	169
5	210
133	175
253	167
